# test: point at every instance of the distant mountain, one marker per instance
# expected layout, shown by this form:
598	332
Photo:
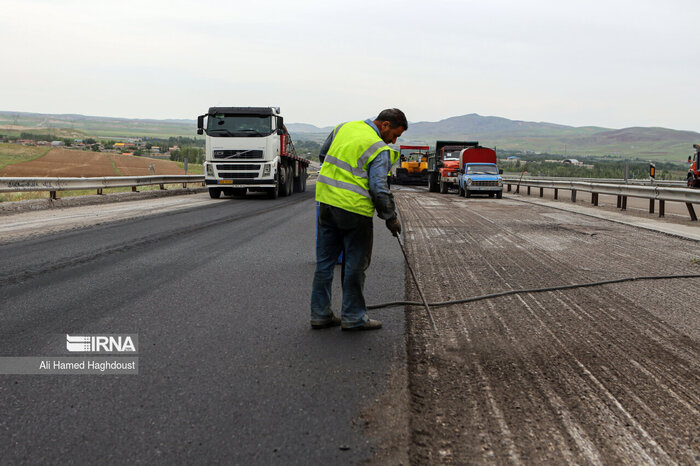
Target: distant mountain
637	142
302	128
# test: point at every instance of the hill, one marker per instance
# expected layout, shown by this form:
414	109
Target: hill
14	122
635	142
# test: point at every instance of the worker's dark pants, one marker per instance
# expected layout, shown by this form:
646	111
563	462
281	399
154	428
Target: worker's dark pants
340	230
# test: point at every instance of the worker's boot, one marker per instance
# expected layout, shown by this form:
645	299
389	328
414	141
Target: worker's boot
370	324
333	321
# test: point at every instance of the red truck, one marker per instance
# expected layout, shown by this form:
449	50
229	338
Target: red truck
447	163
694	170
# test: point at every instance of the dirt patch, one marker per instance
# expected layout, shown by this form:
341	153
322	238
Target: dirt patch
74	163
128	165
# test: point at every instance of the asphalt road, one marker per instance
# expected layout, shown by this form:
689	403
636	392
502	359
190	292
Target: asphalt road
229	370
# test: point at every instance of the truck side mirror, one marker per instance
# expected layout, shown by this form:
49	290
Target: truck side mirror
200	124
280	131
500	171
689	161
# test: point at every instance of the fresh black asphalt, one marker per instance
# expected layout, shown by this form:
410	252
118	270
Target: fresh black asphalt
229	369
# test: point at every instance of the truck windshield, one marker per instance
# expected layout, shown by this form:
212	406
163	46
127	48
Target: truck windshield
453	155
239	125
479	169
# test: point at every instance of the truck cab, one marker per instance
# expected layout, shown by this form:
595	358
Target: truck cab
249	149
479	173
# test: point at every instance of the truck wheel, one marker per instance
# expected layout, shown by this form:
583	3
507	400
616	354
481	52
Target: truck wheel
491	194
432	184
298	183
214	193
499	195
290	181
284	182
443	187
691	181
274	192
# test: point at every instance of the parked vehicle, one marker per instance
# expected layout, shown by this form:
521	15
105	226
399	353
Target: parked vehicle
479	173
443	165
249	149
413	166
694	170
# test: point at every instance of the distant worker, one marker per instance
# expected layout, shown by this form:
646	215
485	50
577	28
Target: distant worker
352	183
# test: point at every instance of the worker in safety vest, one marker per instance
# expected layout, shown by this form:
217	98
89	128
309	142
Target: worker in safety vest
351	185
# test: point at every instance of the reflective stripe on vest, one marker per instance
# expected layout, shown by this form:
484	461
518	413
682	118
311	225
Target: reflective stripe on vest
343	181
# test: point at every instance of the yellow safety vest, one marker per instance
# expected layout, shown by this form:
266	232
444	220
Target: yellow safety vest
343	180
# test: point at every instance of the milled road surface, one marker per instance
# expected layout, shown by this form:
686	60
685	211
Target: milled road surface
601	375
230	371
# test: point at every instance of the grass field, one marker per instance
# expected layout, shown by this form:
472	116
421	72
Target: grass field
16	153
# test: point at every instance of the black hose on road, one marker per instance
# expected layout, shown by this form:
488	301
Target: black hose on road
531	290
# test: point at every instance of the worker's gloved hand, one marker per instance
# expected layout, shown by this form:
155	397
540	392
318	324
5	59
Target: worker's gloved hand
394	225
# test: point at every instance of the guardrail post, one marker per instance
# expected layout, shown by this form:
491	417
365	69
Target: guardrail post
133	189
162	186
517	189
52	195
573	195
651	206
184	185
662	207
594	199
691	211
624	202
528	190
619	201
99	191
556	193
541	192
509	187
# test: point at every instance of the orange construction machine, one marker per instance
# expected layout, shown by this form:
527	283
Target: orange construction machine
413	166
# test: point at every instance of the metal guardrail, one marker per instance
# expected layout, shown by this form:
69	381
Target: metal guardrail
622	191
670	183
24	184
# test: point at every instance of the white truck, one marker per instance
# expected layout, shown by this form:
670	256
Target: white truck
249	149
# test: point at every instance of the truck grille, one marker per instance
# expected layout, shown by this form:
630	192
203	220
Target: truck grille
485	183
242	166
230	176
238	154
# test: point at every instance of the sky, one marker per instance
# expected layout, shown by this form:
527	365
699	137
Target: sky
613	63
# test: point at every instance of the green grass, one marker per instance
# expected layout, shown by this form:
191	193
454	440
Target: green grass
16	153
114	165
192	168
